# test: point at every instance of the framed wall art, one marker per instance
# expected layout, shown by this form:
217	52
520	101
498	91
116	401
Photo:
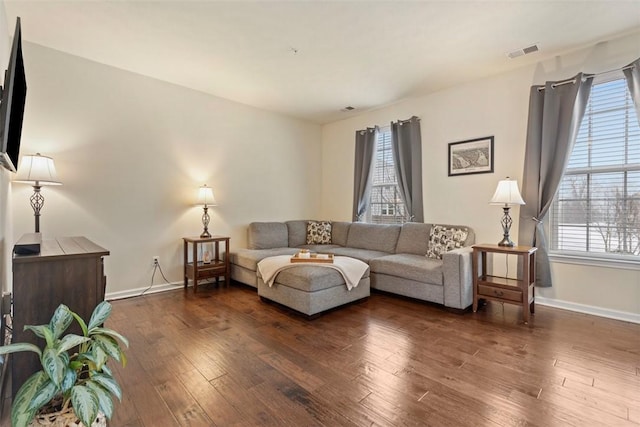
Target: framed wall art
471	156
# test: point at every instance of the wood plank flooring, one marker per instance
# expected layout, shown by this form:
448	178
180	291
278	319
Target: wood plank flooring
224	358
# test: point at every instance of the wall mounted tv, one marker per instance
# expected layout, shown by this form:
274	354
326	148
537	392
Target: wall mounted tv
14	93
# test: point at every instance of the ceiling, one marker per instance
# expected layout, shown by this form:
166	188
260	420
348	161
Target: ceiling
310	59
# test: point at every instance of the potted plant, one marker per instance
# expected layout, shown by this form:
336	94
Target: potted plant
75	382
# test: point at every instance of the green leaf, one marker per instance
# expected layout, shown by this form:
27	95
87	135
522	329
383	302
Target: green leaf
88	359
54	364
109	345
104	398
20	346
100	314
48	336
82	324
107	371
70	341
87	355
38	330
100	357
69	379
111	333
44	395
109	383
123	359
85	404
21	415
76	365
60	321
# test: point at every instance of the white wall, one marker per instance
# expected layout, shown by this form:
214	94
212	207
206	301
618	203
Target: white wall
492	106
131	152
6	236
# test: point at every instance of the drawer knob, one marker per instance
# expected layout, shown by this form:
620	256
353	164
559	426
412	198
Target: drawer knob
498	293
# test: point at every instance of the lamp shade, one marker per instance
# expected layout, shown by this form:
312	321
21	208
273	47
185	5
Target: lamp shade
205	196
507	193
37	169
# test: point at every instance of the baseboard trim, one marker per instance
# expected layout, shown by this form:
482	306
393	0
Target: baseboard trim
589	309
129	293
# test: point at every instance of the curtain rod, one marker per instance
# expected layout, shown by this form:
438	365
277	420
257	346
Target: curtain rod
409	119
588	76
363	131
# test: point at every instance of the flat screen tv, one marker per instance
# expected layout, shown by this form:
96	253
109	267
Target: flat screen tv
14	93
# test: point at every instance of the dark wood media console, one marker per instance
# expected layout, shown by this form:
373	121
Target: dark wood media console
68	270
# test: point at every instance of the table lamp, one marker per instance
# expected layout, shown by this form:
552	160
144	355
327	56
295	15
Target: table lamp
206	199
507	194
37	170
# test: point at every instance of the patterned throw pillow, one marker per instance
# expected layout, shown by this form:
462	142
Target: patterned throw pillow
319	233
443	239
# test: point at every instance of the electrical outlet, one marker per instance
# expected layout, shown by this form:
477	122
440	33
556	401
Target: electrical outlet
156	260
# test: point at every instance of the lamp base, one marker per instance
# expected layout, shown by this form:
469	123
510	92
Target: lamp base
37	202
506	226
506	241
205	222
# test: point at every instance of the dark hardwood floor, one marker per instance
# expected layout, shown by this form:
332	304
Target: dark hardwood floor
224	358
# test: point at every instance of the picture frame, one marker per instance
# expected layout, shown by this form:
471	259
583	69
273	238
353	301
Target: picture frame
471	156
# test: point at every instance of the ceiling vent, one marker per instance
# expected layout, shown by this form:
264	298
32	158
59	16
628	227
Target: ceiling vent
524	51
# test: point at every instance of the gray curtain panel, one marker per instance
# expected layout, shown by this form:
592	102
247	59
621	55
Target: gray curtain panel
555	113
365	149
632	74
406	145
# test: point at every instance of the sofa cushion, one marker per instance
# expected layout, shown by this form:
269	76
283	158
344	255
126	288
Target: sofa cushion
409	266
320	248
414	238
249	258
375	237
364	255
297	232
340	232
267	235
443	239
319	233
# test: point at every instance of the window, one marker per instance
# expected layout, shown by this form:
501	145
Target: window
596	212
385	203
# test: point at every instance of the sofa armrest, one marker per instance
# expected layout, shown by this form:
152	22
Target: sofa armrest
458	278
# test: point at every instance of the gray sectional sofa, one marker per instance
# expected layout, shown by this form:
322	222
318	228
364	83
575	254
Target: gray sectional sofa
396	255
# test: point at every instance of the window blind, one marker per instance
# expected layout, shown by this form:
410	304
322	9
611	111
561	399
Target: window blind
597	207
386	204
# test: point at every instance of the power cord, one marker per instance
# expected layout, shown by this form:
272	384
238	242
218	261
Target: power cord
506	263
156	267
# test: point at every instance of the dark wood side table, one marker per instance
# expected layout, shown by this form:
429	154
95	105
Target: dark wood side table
68	270
519	291
201	269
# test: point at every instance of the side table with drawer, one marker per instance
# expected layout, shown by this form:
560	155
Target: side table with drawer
520	291
206	268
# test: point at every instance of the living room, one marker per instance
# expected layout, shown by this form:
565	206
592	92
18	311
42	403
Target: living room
131	152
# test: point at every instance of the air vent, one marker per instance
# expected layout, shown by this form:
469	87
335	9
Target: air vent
524	51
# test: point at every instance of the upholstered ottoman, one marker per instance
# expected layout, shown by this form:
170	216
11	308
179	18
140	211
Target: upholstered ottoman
311	289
